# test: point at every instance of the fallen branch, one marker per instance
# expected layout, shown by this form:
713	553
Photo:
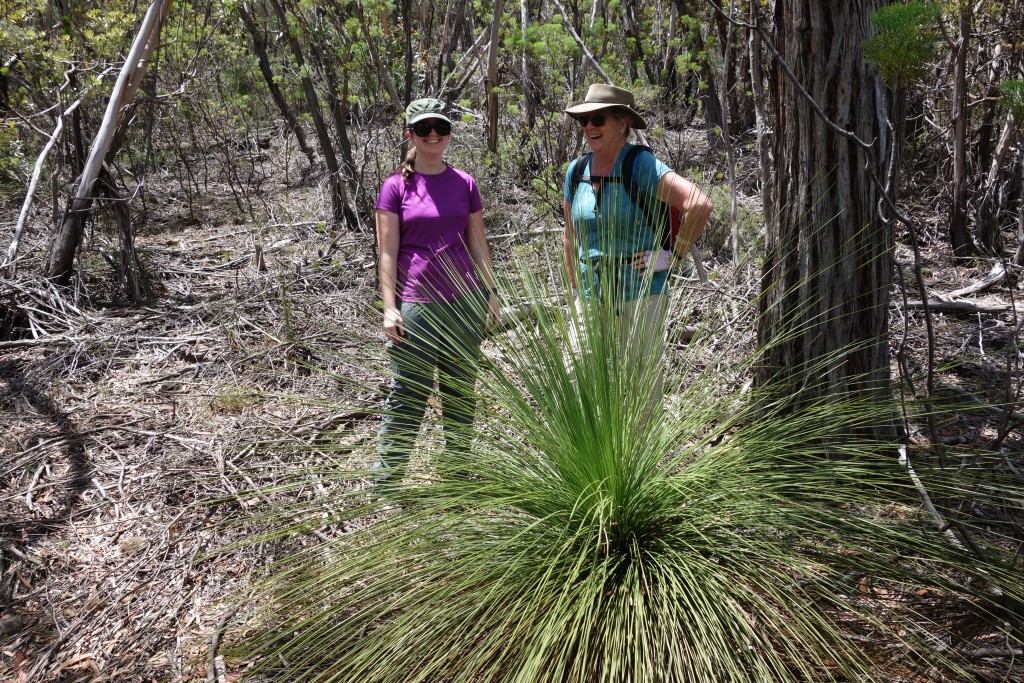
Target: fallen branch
992	409
943	526
9	265
955	306
995	276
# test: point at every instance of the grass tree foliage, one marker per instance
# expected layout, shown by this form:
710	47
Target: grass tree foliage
726	538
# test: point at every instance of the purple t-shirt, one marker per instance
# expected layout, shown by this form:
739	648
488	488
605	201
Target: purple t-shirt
434	263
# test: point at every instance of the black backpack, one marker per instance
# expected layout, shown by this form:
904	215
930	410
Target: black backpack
665	223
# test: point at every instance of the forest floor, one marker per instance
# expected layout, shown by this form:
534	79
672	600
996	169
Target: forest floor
121	423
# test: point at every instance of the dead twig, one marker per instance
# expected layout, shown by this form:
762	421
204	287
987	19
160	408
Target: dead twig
215	663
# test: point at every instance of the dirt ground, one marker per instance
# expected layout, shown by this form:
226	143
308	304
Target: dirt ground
121	422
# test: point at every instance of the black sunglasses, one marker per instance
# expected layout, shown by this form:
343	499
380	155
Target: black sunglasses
597	119
423	128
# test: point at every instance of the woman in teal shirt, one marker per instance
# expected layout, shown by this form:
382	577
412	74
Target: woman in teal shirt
611	249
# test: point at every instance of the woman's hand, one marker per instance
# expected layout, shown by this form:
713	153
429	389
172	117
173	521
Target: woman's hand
656	260
493	311
394	326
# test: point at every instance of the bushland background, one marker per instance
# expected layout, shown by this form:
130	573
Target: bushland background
209	291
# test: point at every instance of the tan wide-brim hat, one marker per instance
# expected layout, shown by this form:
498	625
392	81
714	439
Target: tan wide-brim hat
601	96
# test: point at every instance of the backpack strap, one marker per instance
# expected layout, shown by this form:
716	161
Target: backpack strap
577	174
628	162
656	221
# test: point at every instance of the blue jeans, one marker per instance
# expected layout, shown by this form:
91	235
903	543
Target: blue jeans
444	337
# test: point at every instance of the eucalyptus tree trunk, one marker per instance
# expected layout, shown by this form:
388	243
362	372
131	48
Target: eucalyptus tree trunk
378	65
341	212
337	96
491	82
826	279
727	120
959	233
760	117
736	105
426	26
1018	258
407	24
443	58
634	33
259	43
528	69
712	105
587	61
60	254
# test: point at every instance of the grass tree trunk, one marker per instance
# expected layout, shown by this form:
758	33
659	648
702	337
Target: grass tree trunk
60	255
828	266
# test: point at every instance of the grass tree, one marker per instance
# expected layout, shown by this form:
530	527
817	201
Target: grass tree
725	538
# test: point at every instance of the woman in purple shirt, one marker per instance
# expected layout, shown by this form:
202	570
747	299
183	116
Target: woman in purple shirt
437	287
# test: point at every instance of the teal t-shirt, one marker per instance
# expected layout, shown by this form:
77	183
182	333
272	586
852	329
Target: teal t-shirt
610	228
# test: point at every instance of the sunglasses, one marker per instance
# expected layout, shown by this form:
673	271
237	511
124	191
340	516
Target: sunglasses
423	128
597	120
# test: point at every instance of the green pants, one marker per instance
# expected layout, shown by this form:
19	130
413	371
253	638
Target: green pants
442	337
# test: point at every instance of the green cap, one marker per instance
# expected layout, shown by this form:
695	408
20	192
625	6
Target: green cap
425	108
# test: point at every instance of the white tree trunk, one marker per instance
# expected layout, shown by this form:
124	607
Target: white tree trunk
60	254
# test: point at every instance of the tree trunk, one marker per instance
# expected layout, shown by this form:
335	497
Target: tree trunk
331	69
712	105
635	38
378	65
492	77
127	268
990	207
1018	258
760	117
586	62
826	279
60	255
426	26
727	119
5	102
291	122
340	211
959	233
527	71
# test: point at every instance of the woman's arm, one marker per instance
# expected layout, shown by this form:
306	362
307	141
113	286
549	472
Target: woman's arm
694	205
569	245
481	254
478	249
388	235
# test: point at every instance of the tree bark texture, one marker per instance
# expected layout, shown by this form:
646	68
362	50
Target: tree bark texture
826	279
